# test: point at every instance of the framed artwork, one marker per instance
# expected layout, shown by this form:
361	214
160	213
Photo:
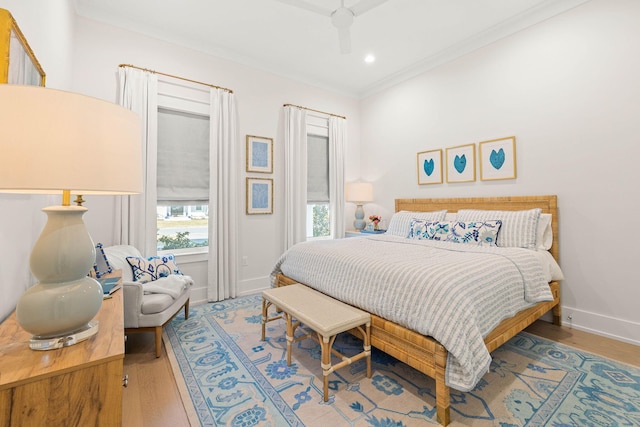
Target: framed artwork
498	159
430	167
259	196
461	163
101	267
259	154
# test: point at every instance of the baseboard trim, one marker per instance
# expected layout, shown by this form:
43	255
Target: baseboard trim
598	324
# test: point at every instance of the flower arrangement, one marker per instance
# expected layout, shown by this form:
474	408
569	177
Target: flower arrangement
375	219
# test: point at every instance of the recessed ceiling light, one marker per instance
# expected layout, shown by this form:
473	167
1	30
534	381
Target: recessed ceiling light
369	59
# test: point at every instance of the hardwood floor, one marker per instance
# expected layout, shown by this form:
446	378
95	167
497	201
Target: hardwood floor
152	397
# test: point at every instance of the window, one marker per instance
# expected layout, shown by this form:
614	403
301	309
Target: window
318	199
183	180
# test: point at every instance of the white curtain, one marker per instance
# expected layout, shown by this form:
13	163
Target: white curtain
337	142
136	215
223	197
295	182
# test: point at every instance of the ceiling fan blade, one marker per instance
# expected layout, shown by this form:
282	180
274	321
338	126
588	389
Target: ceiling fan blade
365	5
307	6
345	40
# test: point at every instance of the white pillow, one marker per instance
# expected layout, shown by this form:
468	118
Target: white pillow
544	233
519	228
399	223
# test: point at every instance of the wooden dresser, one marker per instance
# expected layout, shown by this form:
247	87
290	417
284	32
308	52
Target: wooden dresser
80	385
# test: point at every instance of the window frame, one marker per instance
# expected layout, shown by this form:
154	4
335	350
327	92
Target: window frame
191	100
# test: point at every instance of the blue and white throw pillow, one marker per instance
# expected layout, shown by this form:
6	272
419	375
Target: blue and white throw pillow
433	230
480	233
153	268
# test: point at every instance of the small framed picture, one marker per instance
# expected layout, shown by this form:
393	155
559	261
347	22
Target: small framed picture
430	167
498	159
259	154
259	196
461	163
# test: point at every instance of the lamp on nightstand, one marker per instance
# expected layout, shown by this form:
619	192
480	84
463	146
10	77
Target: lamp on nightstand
359	193
56	142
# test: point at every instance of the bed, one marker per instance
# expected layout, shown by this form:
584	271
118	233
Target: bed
420	350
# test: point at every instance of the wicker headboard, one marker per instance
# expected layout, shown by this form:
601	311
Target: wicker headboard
548	204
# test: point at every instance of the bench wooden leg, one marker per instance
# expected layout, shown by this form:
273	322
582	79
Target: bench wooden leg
289	336
264	317
325	347
367	348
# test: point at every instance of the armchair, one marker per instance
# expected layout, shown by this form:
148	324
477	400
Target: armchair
144	312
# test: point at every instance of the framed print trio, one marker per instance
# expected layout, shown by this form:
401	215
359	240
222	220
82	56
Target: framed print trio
259	154
497	159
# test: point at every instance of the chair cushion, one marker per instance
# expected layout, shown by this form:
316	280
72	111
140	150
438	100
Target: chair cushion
155	303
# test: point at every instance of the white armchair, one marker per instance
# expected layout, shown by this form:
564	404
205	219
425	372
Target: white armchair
144	312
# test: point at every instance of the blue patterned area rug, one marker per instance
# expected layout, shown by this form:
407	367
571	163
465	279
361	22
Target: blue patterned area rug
234	379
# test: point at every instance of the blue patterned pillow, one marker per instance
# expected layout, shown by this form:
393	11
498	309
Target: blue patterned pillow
152	268
480	233
423	229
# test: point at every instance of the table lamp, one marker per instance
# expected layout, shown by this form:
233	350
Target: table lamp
359	193
56	142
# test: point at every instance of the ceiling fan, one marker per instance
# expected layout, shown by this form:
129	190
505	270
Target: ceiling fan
341	18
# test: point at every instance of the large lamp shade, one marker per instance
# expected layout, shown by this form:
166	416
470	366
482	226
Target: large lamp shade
52	142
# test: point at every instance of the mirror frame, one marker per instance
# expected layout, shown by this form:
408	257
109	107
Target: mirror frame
8	29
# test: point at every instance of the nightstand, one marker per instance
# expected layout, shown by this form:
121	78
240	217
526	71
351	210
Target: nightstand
353	233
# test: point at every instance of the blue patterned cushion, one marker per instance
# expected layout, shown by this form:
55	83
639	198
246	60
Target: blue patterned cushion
481	233
433	230
152	268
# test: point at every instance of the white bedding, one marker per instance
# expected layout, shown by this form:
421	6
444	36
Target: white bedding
454	292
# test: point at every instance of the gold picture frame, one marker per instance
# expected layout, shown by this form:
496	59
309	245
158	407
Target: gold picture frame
498	159
461	163
259	154
430	167
18	63
259	196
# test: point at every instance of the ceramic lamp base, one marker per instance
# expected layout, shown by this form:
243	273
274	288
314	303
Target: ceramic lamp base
359	222
62	304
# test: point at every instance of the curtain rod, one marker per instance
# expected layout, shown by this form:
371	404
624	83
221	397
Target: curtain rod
175	77
317	111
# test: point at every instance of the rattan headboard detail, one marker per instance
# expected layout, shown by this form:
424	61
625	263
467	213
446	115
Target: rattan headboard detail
548	204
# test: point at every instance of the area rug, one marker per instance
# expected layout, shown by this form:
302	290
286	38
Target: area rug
229	377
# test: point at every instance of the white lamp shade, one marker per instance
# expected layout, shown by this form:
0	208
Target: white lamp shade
53	140
361	192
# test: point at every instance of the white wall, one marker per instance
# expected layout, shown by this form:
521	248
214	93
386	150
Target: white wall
48	28
99	49
568	90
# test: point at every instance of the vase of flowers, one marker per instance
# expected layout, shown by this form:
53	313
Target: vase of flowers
375	219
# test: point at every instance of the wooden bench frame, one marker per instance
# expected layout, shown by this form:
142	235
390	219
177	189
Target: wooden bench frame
326	335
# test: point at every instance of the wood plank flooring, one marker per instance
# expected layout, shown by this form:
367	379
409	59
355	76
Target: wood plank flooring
152	398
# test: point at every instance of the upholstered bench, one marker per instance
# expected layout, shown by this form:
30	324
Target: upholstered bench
324	315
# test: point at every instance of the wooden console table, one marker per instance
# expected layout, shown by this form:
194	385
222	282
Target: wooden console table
80	385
